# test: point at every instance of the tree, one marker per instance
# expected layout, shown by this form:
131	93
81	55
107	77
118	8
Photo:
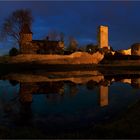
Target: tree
55	35
91	48
73	44
12	25
13	52
61	36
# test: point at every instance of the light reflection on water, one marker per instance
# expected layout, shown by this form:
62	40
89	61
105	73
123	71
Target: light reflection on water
69	102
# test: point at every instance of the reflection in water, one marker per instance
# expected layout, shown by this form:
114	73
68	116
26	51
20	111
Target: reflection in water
103	96
72	88
26	91
25	114
135	83
54	87
55	90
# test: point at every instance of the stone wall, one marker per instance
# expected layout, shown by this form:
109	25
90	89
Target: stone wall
29	48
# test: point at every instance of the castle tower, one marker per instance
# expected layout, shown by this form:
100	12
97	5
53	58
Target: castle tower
102	37
25	36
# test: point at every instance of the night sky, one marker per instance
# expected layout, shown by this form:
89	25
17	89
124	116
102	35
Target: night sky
80	19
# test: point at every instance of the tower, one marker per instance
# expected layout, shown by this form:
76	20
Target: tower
102	37
25	36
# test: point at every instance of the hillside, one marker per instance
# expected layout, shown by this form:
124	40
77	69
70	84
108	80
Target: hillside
75	58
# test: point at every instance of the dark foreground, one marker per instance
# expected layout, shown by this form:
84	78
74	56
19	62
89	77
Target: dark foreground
18	67
127	125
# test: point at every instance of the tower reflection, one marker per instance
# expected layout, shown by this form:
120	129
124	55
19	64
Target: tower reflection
25	94
55	90
103	95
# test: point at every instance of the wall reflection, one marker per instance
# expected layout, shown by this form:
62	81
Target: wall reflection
56	86
135	82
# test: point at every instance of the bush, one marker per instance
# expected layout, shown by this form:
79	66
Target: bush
13	52
91	48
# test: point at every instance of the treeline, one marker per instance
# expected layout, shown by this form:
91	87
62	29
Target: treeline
121	57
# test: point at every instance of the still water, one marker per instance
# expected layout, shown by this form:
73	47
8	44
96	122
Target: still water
65	100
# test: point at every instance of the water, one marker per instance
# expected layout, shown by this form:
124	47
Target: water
71	101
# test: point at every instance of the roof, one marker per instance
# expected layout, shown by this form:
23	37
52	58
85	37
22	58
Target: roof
25	29
44	41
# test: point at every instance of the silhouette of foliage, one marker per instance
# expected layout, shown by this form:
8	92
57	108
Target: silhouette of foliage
11	26
91	85
13	52
73	44
13	82
91	48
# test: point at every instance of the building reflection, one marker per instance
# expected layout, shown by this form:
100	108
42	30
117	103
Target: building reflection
103	96
25	92
135	82
104	88
28	89
56	90
90	85
71	88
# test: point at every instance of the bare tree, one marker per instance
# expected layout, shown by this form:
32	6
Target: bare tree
73	44
55	35
13	23
61	36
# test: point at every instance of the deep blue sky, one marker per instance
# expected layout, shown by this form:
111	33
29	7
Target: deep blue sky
80	19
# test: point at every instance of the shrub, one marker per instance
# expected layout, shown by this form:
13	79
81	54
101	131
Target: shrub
13	52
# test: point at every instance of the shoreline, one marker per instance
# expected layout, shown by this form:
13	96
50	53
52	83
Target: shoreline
105	69
66	67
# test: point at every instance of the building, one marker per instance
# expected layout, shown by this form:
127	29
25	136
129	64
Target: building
135	49
125	52
30	46
102	37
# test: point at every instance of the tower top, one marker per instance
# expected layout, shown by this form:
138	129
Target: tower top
103	26
25	29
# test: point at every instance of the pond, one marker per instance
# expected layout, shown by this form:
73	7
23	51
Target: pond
64	102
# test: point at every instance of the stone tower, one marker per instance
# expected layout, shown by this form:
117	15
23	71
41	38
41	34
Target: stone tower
25	36
103	37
